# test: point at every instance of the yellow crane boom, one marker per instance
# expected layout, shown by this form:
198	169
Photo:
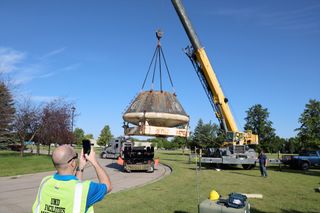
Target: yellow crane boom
211	84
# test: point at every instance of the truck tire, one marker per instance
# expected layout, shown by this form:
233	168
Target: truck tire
103	155
304	166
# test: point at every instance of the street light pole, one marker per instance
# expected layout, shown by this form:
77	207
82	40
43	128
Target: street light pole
72	117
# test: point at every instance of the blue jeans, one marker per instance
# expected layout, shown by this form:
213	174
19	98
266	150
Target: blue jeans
263	170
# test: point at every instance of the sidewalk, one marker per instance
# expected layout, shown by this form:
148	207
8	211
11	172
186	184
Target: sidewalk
18	193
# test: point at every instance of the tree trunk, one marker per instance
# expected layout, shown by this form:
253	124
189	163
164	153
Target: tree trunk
22	138
49	149
22	149
38	148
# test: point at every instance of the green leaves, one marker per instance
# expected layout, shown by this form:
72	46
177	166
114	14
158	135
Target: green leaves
206	135
105	136
78	135
258	121
309	131
7	113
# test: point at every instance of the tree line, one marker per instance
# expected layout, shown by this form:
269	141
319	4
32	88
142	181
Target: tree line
52	123
103	139
48	124
207	135
23	121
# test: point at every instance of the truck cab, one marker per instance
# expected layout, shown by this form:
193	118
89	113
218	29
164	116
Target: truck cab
304	160
115	147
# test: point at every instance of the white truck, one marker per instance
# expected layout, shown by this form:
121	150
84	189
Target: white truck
115	147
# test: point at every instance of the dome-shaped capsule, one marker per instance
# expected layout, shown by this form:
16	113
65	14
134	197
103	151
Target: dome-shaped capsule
158	108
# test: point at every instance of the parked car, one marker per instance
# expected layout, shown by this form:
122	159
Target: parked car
304	160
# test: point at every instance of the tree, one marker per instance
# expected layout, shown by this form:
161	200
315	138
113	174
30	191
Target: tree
292	145
178	142
27	122
159	142
196	137
89	136
78	134
105	136
309	131
7	112
258	121
206	135
278	144
56	123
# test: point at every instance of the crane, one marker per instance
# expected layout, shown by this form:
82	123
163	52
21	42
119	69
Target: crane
235	148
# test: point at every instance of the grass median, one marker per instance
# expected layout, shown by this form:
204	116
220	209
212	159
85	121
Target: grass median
12	164
283	191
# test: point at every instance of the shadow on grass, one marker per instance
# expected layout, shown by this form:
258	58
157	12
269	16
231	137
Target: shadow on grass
293	211
222	167
173	153
311	172
253	210
239	173
171	159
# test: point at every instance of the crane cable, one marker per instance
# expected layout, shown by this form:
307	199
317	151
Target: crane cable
198	168
156	59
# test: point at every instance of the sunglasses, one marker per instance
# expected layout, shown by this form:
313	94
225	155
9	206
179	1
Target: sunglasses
75	157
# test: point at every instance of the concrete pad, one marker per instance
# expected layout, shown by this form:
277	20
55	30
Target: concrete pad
18	193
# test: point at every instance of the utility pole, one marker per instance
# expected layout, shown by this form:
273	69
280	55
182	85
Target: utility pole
72	117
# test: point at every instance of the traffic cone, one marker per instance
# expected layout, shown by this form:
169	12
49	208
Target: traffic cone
120	161
156	162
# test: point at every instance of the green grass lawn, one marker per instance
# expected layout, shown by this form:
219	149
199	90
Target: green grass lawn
286	191
12	164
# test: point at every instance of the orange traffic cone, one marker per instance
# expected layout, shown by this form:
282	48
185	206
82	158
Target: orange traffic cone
156	162
120	161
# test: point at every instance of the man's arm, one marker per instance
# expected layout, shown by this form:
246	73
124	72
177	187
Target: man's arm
101	173
82	163
266	161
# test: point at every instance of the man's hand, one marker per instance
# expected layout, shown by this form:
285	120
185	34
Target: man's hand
91	157
101	173
82	163
82	160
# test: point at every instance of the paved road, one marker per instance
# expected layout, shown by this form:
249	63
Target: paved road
17	194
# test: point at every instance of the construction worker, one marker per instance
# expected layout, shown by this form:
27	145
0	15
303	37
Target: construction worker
65	191
263	162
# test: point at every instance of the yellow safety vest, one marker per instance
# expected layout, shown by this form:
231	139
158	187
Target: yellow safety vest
56	196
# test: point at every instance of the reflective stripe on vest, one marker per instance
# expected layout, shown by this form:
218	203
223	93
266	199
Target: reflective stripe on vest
37	210
77	198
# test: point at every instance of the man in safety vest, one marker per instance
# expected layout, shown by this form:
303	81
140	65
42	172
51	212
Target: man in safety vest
65	192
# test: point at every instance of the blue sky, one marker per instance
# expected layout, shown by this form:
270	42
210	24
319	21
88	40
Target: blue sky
96	54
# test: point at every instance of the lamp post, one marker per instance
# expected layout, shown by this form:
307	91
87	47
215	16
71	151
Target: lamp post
72	117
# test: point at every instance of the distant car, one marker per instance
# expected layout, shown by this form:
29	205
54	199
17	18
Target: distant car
304	160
